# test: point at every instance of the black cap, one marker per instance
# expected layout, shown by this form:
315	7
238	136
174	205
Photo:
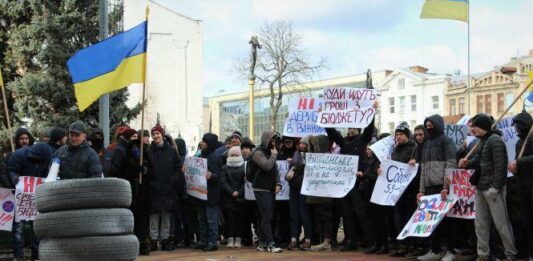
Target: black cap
77	127
482	121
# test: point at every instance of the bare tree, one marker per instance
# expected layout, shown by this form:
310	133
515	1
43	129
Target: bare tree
281	62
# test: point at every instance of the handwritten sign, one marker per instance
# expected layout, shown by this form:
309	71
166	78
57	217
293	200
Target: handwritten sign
510	137
329	175
383	148
303	115
283	169
195	180
429	213
7	213
457	133
347	107
24	198
392	182
506	122
464	192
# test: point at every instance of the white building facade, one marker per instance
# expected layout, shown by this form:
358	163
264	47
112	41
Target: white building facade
410	95
174	71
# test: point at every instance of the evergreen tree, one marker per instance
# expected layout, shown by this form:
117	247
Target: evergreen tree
38	48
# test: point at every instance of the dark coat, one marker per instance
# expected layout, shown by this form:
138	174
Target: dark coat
295	183
78	162
31	161
525	163
404	153
214	165
164	174
368	180
490	161
355	145
232	179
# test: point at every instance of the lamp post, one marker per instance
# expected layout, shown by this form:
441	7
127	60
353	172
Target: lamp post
254	42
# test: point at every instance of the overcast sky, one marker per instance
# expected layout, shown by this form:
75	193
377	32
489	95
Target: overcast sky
358	34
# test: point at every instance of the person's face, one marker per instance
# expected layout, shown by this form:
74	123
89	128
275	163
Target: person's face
302	146
429	126
134	137
228	144
288	143
419	136
76	138
274	142
369	152
234	154
158	137
401	138
470	128
246	152
203	145
352	132
235	141
98	136
24	140
146	139
478	132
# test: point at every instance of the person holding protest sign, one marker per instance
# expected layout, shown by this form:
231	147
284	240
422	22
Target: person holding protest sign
31	161
263	174
164	174
232	181
287	149
354	145
490	162
439	155
521	168
299	211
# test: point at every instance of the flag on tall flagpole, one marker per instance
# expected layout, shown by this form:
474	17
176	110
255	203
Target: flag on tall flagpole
446	9
109	65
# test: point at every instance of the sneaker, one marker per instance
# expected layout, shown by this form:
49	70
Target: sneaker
237	242
198	245
153	245
306	245
144	249
167	245
414	253
400	252
429	256
231	243
321	248
273	249
381	250
261	247
292	245
210	248
449	256
349	246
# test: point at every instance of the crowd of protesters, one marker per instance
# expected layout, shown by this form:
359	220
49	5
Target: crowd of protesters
166	217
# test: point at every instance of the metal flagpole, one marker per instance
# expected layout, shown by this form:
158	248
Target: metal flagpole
468	37
103	103
143	103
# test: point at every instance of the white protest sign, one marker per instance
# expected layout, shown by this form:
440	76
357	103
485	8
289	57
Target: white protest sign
7	212
429	213
470	139
329	175
510	137
505	123
464	120
464	192
283	169
392	182
196	183
347	107
303	115
383	148
457	133
24	198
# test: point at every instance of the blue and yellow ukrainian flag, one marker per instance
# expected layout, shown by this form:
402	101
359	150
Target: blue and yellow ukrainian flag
109	65
446	9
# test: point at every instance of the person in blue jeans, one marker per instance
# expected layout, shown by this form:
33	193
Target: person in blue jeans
208	210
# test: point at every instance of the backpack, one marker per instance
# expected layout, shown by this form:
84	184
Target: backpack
250	169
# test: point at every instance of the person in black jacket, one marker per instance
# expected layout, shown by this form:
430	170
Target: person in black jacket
521	167
31	161
208	211
58	138
354	145
232	181
490	163
164	172
378	213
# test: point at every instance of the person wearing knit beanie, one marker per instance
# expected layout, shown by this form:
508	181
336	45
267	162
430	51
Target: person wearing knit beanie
403	127
482	121
159	129
127	134
236	138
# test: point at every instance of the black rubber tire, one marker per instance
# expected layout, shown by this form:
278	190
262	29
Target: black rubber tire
114	248
83	194
84	223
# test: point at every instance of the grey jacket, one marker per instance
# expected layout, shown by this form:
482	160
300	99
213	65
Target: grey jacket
78	162
267	176
439	155
490	160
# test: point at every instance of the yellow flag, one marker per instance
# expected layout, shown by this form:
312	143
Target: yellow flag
530	74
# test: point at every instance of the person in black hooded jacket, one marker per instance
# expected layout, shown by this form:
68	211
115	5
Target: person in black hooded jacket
58	138
521	167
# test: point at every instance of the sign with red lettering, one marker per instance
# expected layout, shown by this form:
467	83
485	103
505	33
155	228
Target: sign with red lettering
430	212
464	192
302	118
24	198
7	212
195	177
347	107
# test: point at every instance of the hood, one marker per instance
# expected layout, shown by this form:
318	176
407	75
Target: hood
212	143
40	152
21	131
438	122
265	139
320	144
523	122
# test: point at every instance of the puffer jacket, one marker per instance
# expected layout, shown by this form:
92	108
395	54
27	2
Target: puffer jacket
404	153
490	161
439	155
78	162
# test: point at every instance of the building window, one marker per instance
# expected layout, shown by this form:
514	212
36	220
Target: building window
402	104
391	105
479	104
391	127
500	101
401	83
435	101
453	108
462	105
488	104
509	98
413	102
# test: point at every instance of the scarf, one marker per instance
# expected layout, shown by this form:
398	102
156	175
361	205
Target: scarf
235	161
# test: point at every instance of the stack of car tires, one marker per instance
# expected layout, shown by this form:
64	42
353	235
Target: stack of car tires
85	219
